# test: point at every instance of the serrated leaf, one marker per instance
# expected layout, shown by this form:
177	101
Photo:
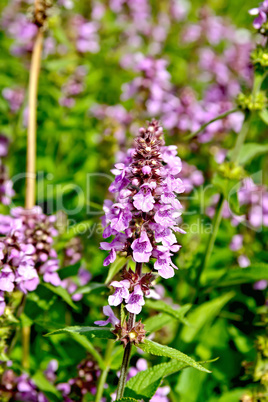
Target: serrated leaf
127	399
157	322
141	383
163	350
203	315
91	332
115	267
62	293
163	307
45	386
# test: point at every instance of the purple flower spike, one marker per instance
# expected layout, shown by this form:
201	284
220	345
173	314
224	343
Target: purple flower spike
144	217
111	317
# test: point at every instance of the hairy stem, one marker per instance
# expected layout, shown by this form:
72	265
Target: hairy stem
221	116
123	371
102	379
31	134
127	351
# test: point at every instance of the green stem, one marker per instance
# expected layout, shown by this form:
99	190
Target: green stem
211	240
218	215
102	379
123	372
221	116
127	351
240	139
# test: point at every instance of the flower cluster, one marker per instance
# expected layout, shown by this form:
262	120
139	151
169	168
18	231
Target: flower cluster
253	201
114	118
146	210
72	255
19	27
15	98
6	185
73	87
191	176
85	34
143	220
19	388
26	250
23	388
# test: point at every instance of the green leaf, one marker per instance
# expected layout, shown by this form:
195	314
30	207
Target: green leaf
163	307
144	393
71	270
127	399
204	315
61	292
264	115
115	267
89	288
82	340
162	350
229	188
237	276
143	384
45	386
250	151
91	332
157	322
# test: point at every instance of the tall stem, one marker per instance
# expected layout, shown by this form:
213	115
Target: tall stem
218	215
103	376
202	128
31	134
31	158
127	351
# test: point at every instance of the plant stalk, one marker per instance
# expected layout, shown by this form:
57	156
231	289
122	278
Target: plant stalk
31	134
218	215
103	376
221	116
31	158
127	351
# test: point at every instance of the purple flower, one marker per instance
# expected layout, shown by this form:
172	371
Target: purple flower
111	317
135	300
260	285
236	243
15	98
7	279
121	292
164	265
2	303
243	261
143	200
142	248
261	13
